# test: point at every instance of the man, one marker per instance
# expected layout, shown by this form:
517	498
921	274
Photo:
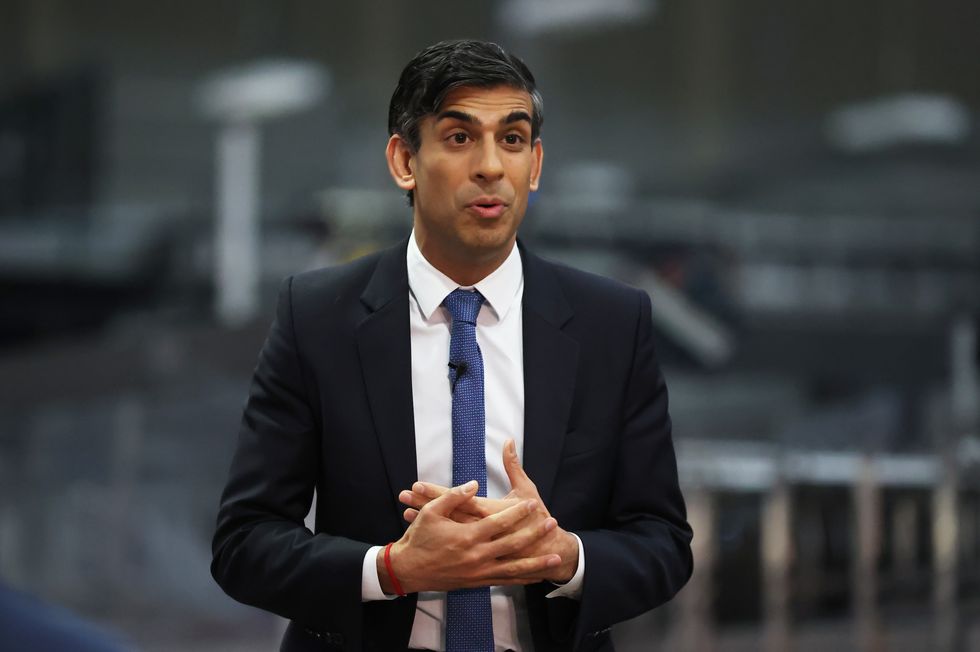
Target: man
442	362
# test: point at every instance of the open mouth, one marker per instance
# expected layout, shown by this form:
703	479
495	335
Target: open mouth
487	207
488	210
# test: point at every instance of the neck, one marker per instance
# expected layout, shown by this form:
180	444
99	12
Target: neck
468	269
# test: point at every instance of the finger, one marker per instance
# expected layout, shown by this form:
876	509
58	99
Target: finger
482	507
503	581
429	489
527	567
515	472
449	501
488	506
505	520
412	499
462	517
471	507
425	492
520	539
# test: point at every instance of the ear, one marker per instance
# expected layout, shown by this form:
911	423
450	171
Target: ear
400	156
537	151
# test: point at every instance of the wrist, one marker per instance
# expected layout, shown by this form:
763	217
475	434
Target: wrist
388	573
383	577
568	550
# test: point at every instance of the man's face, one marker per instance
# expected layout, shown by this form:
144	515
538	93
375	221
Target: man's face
472	174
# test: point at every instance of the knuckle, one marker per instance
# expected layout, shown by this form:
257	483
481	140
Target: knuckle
526	539
523	542
513	546
471	556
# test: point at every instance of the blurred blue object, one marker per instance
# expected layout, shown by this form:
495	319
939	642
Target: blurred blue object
29	625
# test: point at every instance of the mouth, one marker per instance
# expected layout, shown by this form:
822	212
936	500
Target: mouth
487	207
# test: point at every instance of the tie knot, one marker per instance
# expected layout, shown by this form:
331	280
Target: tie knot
464	305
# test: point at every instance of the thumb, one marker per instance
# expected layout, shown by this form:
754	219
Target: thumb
512	464
449	501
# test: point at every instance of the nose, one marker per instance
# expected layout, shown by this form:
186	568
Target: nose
488	166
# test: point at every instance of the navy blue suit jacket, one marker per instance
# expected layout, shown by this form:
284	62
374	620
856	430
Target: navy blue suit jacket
330	407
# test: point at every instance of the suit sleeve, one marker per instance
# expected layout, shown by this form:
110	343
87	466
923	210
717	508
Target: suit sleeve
263	555
642	555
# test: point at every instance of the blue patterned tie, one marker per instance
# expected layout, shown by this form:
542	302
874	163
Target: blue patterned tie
469	624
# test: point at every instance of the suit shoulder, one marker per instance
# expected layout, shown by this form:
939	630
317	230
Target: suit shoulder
585	289
335	283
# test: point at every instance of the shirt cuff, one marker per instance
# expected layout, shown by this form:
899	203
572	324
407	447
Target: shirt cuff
370	582
573	587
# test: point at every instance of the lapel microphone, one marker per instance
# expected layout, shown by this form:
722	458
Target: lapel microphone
456	371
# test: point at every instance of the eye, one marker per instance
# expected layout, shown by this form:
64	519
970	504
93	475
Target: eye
513	139
459	138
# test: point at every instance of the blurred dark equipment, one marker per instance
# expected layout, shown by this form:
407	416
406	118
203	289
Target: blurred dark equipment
48	146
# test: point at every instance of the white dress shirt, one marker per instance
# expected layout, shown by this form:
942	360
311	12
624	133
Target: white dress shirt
500	337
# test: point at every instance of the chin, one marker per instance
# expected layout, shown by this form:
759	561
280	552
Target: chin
490	239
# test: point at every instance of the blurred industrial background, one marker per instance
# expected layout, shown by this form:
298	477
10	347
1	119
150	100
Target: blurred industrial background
797	184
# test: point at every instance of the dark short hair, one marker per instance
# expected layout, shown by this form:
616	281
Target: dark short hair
440	68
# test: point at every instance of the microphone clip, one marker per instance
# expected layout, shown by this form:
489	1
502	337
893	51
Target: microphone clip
456	371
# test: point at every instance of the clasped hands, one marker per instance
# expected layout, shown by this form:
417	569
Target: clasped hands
460	540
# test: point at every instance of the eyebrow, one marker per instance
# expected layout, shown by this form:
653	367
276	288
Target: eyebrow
513	116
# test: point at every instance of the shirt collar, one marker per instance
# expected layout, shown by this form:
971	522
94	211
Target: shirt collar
430	286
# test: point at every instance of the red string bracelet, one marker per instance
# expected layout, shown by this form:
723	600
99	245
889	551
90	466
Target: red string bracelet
391	572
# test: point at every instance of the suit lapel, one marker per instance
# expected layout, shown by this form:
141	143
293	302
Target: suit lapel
384	346
550	365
